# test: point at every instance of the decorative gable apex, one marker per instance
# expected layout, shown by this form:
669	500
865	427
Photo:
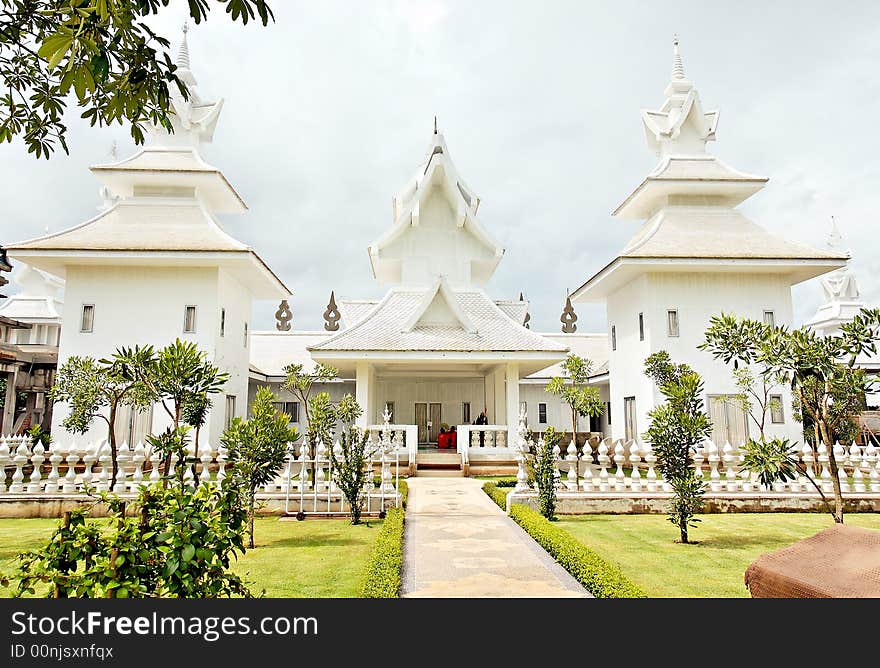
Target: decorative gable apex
439	308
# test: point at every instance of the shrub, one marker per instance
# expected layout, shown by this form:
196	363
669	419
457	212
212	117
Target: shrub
506	482
600	577
545	471
497	494
382	577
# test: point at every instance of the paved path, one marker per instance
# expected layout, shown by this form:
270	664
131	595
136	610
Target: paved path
459	544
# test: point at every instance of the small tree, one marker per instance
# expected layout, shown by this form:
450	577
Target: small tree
678	426
300	384
258	448
178	377
89	386
544	466
352	469
582	399
820	370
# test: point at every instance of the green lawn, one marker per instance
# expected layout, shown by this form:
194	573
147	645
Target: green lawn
314	558
644	547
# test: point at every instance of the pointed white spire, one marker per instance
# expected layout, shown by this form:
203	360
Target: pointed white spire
677	66
183	53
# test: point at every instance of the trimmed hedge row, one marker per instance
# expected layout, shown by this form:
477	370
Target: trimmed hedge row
497	494
601	578
382	576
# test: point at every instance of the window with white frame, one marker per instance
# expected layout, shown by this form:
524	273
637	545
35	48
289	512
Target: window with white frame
542	413
641	326
672	322
222	322
245	335
465	412
777	412
608	412
770	318
87	320
613	337
189	319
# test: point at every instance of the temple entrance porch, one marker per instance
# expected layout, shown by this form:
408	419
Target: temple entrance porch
435	398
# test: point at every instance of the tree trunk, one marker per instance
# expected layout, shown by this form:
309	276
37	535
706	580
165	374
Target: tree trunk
684	533
112	438
835	480
196	458
251	518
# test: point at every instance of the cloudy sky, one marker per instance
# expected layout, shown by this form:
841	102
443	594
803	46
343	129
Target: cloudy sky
328	110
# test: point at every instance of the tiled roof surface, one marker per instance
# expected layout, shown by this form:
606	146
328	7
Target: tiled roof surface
709	232
383	328
184	227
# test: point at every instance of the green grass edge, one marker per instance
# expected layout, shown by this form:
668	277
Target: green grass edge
382	574
497	494
600	577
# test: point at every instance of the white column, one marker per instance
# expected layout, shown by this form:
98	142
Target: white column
363	393
511	379
500	396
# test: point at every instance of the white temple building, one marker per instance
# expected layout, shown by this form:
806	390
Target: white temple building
436	348
155	264
695	256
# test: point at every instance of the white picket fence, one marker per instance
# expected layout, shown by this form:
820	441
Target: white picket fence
28	470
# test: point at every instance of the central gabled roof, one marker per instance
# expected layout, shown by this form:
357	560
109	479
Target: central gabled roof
391	254
402	321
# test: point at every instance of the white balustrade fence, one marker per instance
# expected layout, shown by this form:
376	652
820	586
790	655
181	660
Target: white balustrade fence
629	468
484	435
29	471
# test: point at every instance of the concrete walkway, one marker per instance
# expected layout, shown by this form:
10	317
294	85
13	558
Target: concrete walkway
459	544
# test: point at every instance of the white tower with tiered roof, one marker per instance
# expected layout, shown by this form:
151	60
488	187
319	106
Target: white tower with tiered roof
155	264
695	256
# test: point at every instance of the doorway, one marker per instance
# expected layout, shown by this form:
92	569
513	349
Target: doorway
427	418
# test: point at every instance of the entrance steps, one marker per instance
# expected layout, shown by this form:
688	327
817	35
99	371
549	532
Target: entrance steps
438	463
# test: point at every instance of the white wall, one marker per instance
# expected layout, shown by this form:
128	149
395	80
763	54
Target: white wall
697	297
232	352
449	392
558	413
145	305
336	390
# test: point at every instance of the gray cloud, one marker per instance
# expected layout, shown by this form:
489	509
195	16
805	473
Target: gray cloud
329	110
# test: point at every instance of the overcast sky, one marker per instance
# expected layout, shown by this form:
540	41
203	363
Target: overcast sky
329	110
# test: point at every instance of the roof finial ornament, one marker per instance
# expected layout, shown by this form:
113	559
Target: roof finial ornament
332	315
569	317
183	53
435	123
528	317
283	316
677	66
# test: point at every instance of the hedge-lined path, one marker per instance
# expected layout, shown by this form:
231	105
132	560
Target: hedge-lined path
458	543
